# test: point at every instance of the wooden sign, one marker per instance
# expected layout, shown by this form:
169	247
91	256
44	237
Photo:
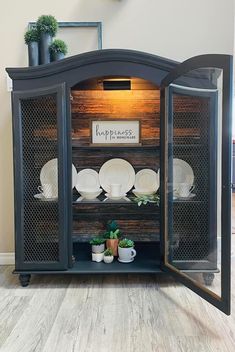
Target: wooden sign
115	132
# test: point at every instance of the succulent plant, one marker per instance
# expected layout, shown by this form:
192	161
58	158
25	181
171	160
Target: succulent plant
126	243
97	241
108	252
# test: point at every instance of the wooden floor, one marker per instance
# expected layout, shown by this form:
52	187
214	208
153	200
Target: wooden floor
113	313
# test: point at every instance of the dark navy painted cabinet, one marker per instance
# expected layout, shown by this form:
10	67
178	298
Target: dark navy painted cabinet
185	117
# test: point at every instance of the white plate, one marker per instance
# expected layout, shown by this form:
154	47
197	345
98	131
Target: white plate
147	180
115	198
41	197
87	180
182	173
142	193
49	173
192	195
117	171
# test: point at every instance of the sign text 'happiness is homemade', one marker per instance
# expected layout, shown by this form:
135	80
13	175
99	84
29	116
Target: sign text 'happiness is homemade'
115	132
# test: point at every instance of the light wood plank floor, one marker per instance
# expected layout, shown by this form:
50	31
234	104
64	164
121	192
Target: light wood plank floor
112	313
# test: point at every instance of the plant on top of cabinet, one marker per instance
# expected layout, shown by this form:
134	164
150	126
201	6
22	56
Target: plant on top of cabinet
47	26
97	244
112	236
126	251
145	199
58	49
31	39
108	256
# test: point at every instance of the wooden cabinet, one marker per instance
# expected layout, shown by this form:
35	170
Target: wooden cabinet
185	117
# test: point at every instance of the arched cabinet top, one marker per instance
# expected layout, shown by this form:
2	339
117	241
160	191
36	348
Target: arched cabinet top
94	64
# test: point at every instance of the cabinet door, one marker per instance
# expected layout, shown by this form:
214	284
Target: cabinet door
39	136
196	176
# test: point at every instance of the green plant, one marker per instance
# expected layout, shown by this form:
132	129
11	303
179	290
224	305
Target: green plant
47	24
125	243
31	35
108	252
58	46
145	199
113	231
97	241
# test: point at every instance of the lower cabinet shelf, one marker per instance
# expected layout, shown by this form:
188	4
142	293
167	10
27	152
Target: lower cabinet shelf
147	260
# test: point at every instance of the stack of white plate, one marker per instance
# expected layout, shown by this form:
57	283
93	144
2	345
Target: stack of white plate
88	184
146	182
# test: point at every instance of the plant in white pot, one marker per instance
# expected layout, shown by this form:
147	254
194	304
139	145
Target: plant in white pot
126	251
108	256
98	246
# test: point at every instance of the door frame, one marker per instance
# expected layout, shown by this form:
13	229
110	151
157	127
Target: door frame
17	96
223	62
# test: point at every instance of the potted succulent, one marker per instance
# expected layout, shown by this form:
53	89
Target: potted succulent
47	27
97	244
112	236
126	251
108	256
31	39
58	49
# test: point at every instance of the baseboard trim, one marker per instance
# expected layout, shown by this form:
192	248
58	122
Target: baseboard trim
7	258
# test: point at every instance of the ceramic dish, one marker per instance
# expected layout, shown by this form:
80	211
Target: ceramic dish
182	173
90	194
41	197
87	180
142	192
117	171
49	173
147	180
115	198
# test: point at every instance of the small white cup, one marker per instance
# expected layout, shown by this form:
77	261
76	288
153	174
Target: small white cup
47	190
184	189
115	189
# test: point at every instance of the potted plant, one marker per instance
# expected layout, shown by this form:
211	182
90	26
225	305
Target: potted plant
31	39
145	199
97	244
47	27
112	236
58	49
126	251
108	256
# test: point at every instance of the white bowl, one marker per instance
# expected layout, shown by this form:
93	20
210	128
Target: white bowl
143	192
90	194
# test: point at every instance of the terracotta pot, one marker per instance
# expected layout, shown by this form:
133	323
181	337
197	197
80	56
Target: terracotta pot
113	243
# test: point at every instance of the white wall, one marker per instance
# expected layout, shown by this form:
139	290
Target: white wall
177	29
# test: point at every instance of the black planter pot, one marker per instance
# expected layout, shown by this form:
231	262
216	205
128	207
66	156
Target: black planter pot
58	56
45	42
33	54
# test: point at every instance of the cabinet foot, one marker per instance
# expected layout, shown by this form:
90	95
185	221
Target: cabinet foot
208	278
24	279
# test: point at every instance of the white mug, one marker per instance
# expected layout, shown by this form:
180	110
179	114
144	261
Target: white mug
184	189
115	189
47	190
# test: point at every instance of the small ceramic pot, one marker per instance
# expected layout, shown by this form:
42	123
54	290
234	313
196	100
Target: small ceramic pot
113	243
108	259
97	257
126	254
58	56
98	249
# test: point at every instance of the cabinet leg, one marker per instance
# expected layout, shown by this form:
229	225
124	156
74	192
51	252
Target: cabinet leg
208	278
24	279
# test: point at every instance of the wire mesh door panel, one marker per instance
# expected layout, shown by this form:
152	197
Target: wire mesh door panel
41	237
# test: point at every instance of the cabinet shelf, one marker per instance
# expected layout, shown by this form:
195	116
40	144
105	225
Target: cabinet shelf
147	260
